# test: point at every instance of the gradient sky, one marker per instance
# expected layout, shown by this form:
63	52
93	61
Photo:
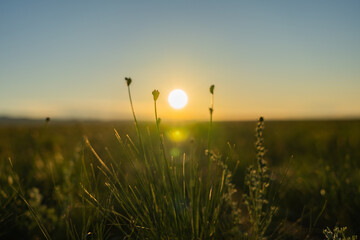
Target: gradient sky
279	59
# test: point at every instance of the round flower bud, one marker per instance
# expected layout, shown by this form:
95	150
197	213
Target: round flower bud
155	94
128	81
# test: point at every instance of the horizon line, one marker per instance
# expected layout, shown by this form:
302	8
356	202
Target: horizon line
7	118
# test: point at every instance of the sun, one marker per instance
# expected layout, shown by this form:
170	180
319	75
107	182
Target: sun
177	98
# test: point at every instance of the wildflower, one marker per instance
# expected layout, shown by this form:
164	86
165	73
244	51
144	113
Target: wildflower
155	94
128	81
212	89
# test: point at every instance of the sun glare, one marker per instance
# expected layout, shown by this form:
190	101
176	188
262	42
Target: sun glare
177	98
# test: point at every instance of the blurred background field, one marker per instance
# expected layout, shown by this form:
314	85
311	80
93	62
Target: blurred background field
314	166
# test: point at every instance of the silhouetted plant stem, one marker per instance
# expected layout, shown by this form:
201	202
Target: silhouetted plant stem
209	153
156	94
211	109
128	82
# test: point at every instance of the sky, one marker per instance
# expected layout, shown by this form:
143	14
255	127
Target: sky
277	59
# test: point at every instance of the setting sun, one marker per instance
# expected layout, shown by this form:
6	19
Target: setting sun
177	98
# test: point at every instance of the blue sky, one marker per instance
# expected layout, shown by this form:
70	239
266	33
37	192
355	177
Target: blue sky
280	59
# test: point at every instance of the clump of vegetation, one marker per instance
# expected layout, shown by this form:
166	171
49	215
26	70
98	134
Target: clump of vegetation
257	180
337	234
167	198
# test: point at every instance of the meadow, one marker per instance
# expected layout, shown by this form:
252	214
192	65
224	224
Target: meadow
314	168
179	180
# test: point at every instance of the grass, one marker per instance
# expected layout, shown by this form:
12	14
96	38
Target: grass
147	184
169	198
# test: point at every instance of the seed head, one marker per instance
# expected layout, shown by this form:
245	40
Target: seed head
128	81
155	94
212	89
47	119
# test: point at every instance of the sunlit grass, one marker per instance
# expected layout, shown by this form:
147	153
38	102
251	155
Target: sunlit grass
160	182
